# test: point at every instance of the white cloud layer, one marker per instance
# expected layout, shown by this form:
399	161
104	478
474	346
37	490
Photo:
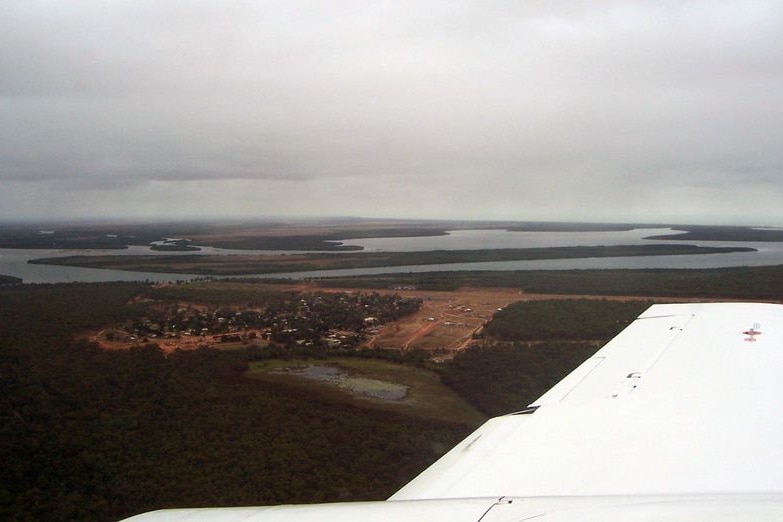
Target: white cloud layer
594	110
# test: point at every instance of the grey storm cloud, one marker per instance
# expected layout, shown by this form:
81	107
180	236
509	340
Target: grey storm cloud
530	110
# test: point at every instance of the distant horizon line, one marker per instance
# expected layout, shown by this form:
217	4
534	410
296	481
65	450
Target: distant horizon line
327	220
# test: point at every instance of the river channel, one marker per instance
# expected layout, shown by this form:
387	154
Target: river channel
14	262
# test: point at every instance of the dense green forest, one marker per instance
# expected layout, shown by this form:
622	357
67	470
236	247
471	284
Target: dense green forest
564	320
532	345
87	434
762	282
247	293
503	378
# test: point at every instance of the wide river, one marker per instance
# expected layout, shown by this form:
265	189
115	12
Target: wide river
13	262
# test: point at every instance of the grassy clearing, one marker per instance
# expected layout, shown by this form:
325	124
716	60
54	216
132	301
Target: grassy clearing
427	397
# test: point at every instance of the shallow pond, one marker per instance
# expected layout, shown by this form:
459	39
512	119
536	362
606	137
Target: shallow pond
362	386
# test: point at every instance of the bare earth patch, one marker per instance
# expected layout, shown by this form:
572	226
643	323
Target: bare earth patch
448	321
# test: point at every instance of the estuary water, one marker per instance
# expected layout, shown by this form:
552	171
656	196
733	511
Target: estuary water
502	238
14	262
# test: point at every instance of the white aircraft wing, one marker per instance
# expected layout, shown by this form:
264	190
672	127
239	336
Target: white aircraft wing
679	417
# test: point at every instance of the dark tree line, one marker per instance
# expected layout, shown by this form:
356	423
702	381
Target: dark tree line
563	320
761	282
506	377
531	346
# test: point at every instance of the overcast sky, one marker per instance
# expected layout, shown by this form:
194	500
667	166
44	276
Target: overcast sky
651	111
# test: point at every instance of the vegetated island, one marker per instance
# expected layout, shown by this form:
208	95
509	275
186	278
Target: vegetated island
679	232
240	236
722	233
271	264
9	280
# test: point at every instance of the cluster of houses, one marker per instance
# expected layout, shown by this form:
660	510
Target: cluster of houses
313	319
